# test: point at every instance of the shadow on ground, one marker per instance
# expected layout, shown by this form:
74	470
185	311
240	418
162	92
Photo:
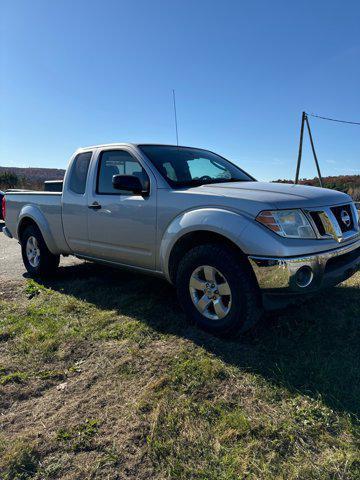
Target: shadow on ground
313	348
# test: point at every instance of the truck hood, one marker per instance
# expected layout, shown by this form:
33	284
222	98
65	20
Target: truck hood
278	195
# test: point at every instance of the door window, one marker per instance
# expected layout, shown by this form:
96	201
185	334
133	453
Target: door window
79	171
118	162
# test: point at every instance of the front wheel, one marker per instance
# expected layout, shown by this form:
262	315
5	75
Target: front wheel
217	290
37	258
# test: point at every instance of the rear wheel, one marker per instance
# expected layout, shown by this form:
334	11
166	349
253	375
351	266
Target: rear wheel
217	290
37	258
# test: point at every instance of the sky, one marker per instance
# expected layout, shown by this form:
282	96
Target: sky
82	72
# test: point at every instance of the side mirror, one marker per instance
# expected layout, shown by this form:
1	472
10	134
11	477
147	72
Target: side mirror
129	183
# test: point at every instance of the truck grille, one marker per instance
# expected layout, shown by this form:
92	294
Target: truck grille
339	222
344	217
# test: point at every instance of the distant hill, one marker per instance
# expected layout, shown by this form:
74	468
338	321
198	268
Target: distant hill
38	174
33	178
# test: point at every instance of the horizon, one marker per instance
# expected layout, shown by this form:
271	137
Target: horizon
87	73
272	180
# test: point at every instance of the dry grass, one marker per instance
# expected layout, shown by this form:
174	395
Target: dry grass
101	377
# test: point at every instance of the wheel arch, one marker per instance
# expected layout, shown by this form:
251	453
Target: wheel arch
202	237
24	223
30	215
202	225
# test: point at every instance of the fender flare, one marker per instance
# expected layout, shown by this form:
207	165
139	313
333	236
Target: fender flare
227	223
33	213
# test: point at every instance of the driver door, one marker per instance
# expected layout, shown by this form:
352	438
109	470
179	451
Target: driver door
122	225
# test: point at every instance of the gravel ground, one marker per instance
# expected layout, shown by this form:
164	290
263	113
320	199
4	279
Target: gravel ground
11	265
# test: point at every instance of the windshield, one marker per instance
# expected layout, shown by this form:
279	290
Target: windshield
184	166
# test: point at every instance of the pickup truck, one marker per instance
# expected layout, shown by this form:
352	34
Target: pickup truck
228	243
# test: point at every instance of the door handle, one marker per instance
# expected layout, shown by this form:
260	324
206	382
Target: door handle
95	206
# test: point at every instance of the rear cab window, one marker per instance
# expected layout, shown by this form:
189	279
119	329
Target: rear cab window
79	173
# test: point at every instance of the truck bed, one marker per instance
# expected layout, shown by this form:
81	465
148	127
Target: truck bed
46	210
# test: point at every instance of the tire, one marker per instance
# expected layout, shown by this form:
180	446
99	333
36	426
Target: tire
42	263
225	315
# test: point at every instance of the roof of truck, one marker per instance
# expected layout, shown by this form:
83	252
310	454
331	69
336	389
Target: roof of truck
130	144
108	145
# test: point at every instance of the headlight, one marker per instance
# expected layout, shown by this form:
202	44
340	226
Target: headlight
287	223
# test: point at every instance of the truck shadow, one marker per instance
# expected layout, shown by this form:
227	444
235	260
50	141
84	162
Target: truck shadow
313	348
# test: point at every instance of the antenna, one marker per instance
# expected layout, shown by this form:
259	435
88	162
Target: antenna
176	125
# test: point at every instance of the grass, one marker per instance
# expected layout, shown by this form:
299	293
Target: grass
78	437
101	377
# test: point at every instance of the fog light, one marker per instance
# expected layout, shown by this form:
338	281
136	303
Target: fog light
304	276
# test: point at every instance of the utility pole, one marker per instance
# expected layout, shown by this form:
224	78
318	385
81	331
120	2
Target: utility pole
313	150
300	147
304	119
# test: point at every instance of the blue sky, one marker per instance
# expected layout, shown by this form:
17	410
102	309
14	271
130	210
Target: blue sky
76	73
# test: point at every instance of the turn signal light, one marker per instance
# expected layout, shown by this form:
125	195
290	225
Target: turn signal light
267	218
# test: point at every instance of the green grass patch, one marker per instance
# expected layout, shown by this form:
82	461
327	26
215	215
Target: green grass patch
79	437
20	461
14	377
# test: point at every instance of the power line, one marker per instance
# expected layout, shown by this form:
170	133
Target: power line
305	120
332	119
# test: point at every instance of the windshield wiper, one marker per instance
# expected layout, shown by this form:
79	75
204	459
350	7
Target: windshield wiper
198	183
224	180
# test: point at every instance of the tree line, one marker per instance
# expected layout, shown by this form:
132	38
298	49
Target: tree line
349	184
9	180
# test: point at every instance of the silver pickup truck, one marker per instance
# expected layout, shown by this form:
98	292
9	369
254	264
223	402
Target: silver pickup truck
228	243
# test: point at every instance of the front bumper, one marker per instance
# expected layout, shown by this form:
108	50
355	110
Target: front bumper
308	273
